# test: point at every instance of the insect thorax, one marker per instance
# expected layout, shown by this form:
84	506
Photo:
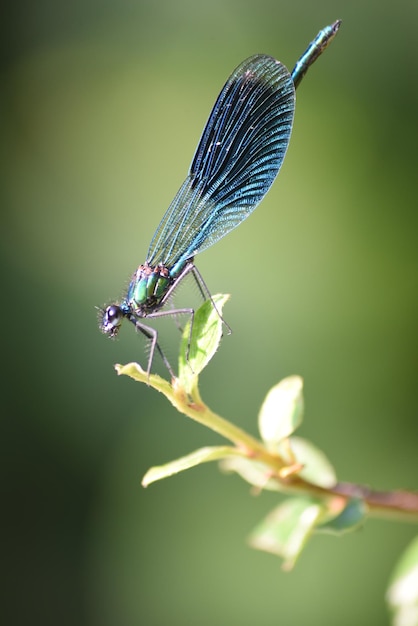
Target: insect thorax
148	288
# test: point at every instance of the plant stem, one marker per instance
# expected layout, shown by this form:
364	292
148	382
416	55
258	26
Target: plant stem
200	412
383	504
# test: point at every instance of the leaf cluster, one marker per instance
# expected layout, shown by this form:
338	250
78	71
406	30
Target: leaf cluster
314	501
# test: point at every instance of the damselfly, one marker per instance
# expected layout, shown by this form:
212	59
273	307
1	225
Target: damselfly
238	157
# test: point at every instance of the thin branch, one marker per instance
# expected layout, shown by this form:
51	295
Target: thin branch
401	504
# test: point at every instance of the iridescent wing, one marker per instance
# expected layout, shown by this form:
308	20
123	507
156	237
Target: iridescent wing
238	157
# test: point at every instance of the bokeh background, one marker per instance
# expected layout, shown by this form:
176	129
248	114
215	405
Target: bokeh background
101	110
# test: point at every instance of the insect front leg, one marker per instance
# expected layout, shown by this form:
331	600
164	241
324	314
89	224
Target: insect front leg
172	312
152	335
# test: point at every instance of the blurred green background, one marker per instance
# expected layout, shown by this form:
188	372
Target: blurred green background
101	110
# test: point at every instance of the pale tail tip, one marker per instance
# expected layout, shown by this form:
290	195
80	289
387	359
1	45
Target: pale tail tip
336	25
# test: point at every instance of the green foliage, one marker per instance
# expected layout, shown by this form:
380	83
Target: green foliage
197	349
280	461
203	455
402	595
286	530
282	411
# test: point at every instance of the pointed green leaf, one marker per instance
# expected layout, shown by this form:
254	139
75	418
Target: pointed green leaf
282	410
351	518
196	351
402	595
286	530
203	455
316	467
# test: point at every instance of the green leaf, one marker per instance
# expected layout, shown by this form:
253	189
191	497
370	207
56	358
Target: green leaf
316	467
203	455
286	530
282	411
351	518
402	595
204	341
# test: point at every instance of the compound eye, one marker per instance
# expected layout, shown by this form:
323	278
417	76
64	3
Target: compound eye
113	313
112	319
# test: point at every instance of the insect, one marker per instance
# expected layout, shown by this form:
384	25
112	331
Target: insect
237	159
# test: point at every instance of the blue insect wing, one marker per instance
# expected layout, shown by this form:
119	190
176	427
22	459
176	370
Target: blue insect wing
238	157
